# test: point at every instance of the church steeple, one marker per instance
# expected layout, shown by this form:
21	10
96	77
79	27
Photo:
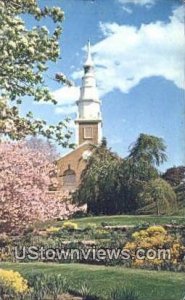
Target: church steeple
89	122
89	61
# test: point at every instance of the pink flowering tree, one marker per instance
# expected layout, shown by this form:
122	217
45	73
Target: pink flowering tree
25	177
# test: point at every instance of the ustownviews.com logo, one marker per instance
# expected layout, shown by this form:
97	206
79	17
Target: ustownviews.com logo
92	253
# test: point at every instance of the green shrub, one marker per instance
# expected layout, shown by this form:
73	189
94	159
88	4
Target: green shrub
12	285
84	291
80	214
57	285
38	283
69	225
47	285
91	226
52	229
157	197
124	294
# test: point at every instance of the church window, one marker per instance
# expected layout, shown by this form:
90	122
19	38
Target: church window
88	132
69	178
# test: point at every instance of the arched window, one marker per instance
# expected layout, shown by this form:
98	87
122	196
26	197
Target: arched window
69	178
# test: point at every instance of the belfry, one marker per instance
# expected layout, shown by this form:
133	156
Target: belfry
88	130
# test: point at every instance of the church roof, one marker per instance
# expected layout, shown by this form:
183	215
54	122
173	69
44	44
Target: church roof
73	150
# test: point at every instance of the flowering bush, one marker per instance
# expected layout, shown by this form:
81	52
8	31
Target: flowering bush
101	233
26	174
12	284
52	229
91	226
156	238
70	225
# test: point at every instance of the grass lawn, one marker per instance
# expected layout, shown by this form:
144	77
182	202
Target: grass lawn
120	220
152	285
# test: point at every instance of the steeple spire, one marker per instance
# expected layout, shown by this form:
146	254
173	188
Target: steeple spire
89	61
88	88
89	122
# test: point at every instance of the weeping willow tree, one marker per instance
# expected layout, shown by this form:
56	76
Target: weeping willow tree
150	149
112	185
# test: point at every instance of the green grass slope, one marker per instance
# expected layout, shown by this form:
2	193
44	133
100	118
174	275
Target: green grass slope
120	220
152	285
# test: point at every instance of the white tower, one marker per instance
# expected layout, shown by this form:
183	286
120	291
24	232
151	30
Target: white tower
89	122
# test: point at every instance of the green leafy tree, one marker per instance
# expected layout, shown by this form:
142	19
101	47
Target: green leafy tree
150	149
134	174
158	197
24	57
99	183
140	167
112	185
175	176
180	192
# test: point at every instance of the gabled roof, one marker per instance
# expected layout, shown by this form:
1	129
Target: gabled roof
78	147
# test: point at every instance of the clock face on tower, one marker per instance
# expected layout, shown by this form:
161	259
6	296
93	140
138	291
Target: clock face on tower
86	154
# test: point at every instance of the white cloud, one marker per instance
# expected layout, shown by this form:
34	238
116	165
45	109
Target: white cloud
127	54
66	109
127	10
66	95
66	98
137	2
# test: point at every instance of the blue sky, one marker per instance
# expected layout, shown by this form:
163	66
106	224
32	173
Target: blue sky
137	46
